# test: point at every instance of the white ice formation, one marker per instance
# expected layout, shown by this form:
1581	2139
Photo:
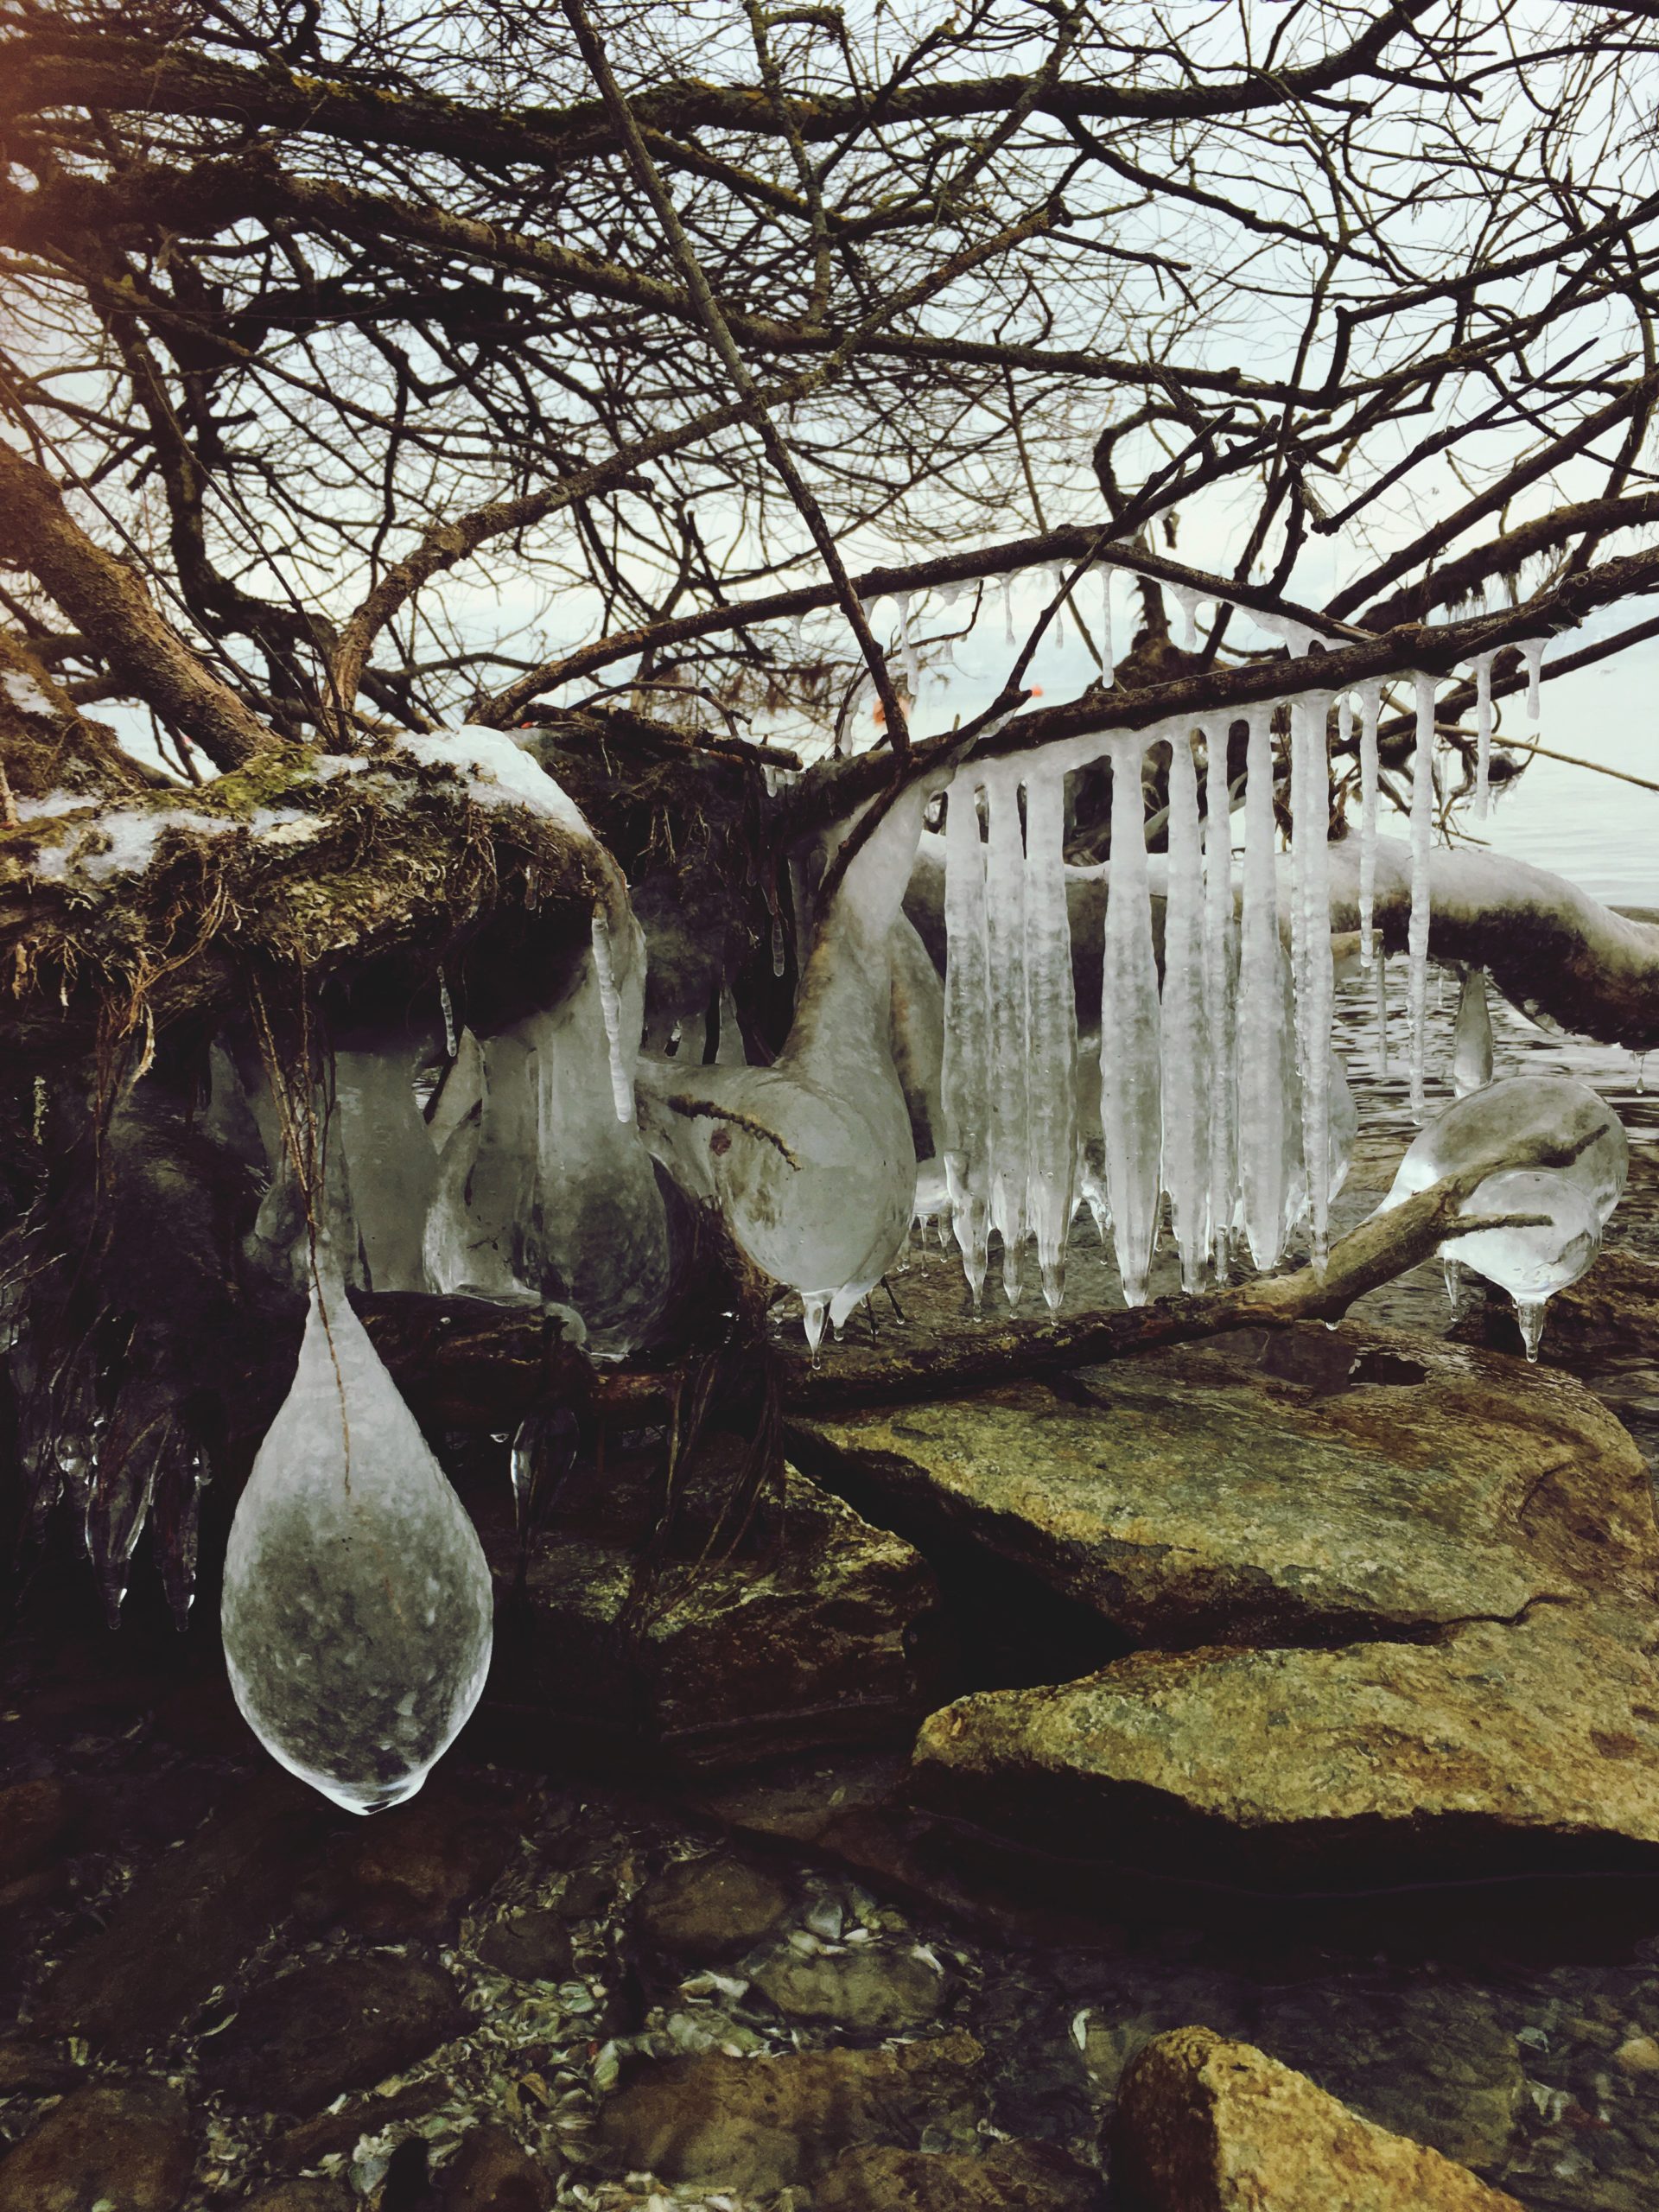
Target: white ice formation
1502	1119
357	1600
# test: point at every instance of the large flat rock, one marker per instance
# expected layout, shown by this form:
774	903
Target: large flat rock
1303	1486
715	1647
1501	1748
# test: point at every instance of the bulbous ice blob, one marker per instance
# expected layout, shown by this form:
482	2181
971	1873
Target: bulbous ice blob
357	1606
1531	1263
1503	1115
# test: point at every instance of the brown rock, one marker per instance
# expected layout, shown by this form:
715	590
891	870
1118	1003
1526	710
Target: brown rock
129	2148
412	1870
818	1640
493	2172
1203	2125
1503	1748
1010	2177
313	2194
711	1908
757	2125
314	2141
34	2069
303	2040
1300	1486
869	1991
37	1819
533	1946
191	1916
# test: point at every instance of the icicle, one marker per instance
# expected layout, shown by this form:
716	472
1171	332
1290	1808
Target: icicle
610	1001
1107	661
778	961
1381	973
1482	665
965	1074
907	644
813	1310
1184	1032
1058	574
1008	610
445	1001
357	1601
1005	947
1370	703
1532	651
1315	980
1263	1105
1219	955
1131	1108
1457	1296
1471	1036
1187	601
1422	831
1050	1032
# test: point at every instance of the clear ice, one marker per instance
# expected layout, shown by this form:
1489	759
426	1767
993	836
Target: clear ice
1422	831
1220	961
1265	1106
1495	1121
1471	1035
1184	1027
1005	944
357	1601
1532	1263
1050	1032
1131	1107
965	1080
1370	704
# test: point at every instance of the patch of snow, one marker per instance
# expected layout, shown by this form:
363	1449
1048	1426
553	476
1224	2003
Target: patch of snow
498	772
24	693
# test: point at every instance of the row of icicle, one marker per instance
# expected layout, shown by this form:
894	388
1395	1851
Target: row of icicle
1215	1089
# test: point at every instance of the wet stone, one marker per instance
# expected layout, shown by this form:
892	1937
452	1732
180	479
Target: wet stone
313	2193
34	2069
332	2133
128	2148
1430	2061
711	1908
1010	2177
412	1870
36	1820
756	2126
254	1865
867	1991
493	2172
1205	2125
584	1894
530	1945
301	2041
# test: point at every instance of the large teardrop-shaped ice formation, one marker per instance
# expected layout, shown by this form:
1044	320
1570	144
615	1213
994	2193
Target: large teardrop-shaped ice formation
1131	1110
357	1603
1561	1238
1499	1119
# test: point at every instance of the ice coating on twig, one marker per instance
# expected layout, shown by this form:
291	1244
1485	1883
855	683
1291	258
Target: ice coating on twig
357	1602
1471	1036
1184	1031
1422	832
1051	1031
1482	666
1219	963
1005	947
611	1006
1370	703
965	1080
1263	1108
1131	1059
